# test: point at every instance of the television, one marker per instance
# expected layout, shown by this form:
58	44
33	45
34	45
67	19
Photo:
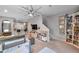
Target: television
34	26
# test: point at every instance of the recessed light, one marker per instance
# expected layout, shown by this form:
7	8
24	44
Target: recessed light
50	5
5	10
6	22
30	15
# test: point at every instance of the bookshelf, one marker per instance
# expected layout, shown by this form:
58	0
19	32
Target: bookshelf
69	28
72	29
75	30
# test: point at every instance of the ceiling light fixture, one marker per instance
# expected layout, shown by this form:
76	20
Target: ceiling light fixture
31	12
5	10
50	5
30	15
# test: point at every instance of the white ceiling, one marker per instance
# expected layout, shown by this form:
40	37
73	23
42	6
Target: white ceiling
16	11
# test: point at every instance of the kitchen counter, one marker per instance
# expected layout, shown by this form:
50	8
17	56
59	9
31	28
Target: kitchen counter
14	44
12	37
10	41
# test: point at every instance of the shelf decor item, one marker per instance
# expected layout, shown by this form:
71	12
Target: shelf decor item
62	24
76	30
68	28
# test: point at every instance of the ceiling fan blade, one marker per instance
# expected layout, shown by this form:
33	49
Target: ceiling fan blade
25	8
26	14
37	9
20	13
32	7
39	13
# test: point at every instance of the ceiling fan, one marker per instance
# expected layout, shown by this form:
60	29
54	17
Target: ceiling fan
31	11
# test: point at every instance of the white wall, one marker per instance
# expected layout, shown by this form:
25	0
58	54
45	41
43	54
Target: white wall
53	24
36	20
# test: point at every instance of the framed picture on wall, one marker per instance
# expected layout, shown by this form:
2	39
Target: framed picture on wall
6	26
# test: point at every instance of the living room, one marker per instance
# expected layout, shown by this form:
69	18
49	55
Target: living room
38	29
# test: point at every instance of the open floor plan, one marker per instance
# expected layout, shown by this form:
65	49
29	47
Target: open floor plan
39	28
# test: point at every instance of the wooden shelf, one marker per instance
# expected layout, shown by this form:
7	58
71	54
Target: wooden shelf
74	40
72	44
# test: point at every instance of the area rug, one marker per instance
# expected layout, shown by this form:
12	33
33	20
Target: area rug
47	50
